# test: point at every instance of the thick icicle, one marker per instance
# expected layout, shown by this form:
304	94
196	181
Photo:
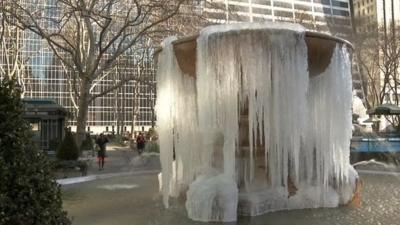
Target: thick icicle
330	102
167	70
177	121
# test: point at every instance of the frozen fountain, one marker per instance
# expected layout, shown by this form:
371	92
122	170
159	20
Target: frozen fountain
255	118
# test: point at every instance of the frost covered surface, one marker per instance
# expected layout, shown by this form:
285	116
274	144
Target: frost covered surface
177	121
359	108
212	197
252	83
113	187
330	102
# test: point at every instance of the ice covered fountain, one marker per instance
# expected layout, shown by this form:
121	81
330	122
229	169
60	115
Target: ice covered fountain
255	118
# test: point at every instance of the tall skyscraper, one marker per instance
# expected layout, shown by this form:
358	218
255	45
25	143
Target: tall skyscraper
382	12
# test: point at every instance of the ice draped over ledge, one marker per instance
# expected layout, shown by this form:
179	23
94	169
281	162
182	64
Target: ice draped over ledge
252	132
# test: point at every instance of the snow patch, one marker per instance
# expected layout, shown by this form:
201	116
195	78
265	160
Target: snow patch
113	187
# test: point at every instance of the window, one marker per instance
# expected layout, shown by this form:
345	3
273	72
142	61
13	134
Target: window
341	12
283	4
326	2
327	11
340	4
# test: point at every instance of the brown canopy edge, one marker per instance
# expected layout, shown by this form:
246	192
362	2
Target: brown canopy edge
320	49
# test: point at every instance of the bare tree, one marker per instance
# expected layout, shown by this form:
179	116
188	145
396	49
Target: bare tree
143	79
82	34
378	54
2	23
12	61
120	94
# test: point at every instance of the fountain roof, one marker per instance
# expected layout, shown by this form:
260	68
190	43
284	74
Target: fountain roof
320	45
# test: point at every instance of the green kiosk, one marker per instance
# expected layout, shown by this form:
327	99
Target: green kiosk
47	119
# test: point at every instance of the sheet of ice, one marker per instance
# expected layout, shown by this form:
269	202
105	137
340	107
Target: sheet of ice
272	80
166	73
330	126
359	108
212	198
180	154
302	125
347	189
374	162
113	187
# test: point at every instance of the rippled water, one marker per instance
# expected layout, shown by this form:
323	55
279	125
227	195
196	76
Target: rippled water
135	200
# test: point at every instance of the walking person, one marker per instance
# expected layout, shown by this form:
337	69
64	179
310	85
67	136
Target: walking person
140	143
101	141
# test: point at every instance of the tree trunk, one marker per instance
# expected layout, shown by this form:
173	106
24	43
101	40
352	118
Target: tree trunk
133	116
133	126
116	110
152	113
122	114
134	107
83	112
153	122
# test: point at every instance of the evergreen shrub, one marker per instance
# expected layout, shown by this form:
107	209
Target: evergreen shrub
29	194
68	149
87	144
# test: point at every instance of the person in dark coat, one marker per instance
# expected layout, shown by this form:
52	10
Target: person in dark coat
140	143
101	141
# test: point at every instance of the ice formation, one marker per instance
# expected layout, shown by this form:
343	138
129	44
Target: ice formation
253	132
359	108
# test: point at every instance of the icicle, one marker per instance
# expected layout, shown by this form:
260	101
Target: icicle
178	126
166	72
331	124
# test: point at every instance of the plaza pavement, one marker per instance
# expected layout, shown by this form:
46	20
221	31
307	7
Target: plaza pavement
120	161
123	161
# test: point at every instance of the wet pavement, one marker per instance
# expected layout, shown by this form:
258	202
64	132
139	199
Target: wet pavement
121	159
135	200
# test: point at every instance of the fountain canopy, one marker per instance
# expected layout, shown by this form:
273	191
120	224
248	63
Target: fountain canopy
320	48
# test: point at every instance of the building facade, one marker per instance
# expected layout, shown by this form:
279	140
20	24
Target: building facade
382	12
331	16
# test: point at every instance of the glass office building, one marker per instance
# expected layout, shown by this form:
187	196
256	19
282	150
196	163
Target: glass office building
331	16
43	76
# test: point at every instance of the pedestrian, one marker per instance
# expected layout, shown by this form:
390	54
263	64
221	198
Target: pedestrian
140	143
101	154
